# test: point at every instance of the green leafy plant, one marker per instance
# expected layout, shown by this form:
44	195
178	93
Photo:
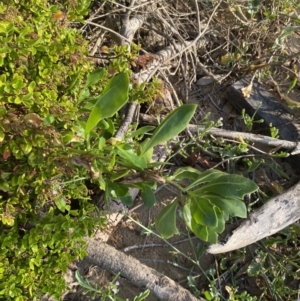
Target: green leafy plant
250	120
110	293
275	261
113	97
110	159
210	198
172	125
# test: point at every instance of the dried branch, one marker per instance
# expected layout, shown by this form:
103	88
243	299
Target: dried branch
127	121
130	27
141	275
109	30
293	147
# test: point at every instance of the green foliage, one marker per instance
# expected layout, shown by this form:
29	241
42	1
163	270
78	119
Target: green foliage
210	199
110	292
274	132
276	262
250	120
43	63
40	256
165	222
113	97
57	121
172	125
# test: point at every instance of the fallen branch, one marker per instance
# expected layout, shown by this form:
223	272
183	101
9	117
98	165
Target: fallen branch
278	213
130	27
141	275
126	121
293	147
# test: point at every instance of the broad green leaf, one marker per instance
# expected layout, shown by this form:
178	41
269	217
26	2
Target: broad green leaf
6	26
204	233
187	214
204	177
131	157
141	131
172	125
61	204
84	94
31	86
221	221
113	97
255	268
126	200
212	236
4	186
49	120
231	206
229	186
110	129
94	77
118	175
74	212
26	148
101	143
203	212
8	220
199	230
147	156
112	162
165	222
288	31
186	173
253	164
115	190
90	103
192	282
140	185
2	111
103	124
148	196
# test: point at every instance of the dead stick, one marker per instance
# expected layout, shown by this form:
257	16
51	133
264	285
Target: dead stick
294	147
127	121
141	275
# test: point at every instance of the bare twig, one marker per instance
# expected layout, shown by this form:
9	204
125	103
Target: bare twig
109	30
127	249
293	147
130	27
127	121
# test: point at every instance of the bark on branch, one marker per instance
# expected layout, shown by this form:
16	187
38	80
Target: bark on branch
141	275
293	147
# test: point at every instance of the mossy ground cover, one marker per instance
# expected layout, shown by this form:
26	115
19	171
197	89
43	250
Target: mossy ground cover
43	63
